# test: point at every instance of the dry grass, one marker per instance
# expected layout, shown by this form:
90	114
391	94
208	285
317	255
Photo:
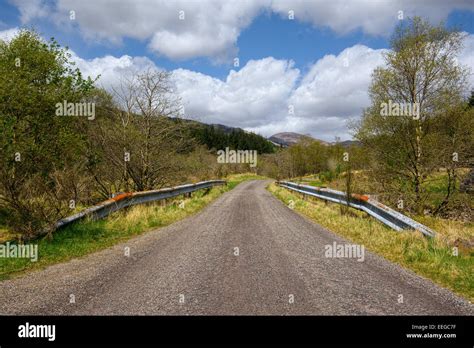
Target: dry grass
89	236
431	258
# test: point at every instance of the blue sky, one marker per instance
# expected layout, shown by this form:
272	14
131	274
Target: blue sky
282	61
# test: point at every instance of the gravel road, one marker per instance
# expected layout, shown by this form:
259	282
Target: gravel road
191	267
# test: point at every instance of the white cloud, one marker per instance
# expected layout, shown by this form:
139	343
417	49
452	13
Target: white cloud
335	90
258	95
466	57
211	27
8	34
31	9
373	17
110	69
255	95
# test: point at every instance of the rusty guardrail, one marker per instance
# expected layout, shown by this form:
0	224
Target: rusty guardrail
128	199
379	211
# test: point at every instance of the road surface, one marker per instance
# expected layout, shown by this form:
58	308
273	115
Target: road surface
192	267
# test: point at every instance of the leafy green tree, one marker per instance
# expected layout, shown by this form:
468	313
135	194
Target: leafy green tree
421	71
36	145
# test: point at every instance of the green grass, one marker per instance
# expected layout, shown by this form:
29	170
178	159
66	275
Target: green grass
89	236
235	179
434	187
430	258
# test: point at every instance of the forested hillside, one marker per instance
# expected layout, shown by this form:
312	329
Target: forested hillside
215	138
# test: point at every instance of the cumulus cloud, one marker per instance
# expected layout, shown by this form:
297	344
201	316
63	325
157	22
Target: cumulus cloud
335	88
32	9
258	96
210	28
111	69
252	96
466	57
333	91
8	34
178	29
372	17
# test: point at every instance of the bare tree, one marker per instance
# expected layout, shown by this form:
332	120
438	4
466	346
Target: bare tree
145	132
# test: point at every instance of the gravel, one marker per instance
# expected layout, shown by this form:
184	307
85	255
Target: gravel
191	268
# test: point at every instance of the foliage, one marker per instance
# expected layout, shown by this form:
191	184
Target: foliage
38	148
217	139
420	69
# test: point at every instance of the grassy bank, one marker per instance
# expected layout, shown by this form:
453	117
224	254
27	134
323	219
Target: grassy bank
430	258
89	236
461	206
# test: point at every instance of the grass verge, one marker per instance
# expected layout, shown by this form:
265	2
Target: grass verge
430	258
89	236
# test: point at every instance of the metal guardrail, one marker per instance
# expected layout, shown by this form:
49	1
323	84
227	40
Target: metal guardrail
381	212
124	200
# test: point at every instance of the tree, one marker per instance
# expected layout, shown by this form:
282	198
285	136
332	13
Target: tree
453	134
38	147
420	73
141	135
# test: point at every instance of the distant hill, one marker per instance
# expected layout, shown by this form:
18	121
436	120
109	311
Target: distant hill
224	128
348	143
290	138
218	136
286	139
